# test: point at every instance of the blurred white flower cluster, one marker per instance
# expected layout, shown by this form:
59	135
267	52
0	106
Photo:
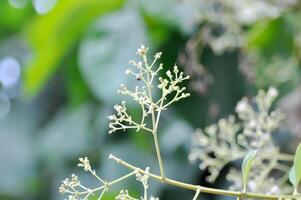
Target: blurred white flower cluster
226	19
230	140
229	25
276	70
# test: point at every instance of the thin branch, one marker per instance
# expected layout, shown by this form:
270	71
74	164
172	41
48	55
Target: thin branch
197	193
285	157
154	118
194	187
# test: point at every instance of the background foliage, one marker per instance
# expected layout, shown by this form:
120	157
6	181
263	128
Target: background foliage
73	54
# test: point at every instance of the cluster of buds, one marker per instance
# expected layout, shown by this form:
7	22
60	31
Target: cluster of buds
122	120
147	74
142	50
70	187
218	140
73	187
258	121
124	195
170	85
230	140
143	178
69	184
138	95
84	163
258	180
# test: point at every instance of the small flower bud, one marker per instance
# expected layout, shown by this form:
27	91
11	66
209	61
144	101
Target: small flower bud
142	50
158	55
128	71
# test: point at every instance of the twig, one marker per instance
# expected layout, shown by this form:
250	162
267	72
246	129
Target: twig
193	187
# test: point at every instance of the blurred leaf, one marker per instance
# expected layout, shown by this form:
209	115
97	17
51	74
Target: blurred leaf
12	19
107	49
18	3
292	177
4	104
77	89
180	15
295	175
157	31
53	34
246	166
66	135
17	151
176	134
15	46
271	37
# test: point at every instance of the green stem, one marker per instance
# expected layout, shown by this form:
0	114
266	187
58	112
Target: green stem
156	138
121	178
155	120
159	156
197	193
285	157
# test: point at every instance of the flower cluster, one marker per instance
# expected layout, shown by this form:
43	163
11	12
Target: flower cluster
231	17
151	106
225	26
75	190
144	95
84	163
258	121
230	140
218	139
143	178
67	183
124	195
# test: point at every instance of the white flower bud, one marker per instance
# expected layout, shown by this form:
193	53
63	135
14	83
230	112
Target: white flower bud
142	50
273	92
168	73
241	106
128	71
158	55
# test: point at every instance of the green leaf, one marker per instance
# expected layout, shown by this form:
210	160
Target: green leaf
52	35
181	16
271	37
107	48
246	166
297	167
292	177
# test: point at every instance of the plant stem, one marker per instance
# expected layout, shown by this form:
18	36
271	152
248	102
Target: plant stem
285	157
155	120
159	156
198	191
121	178
192	187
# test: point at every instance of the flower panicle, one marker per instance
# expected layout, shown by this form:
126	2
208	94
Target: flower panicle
144	95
